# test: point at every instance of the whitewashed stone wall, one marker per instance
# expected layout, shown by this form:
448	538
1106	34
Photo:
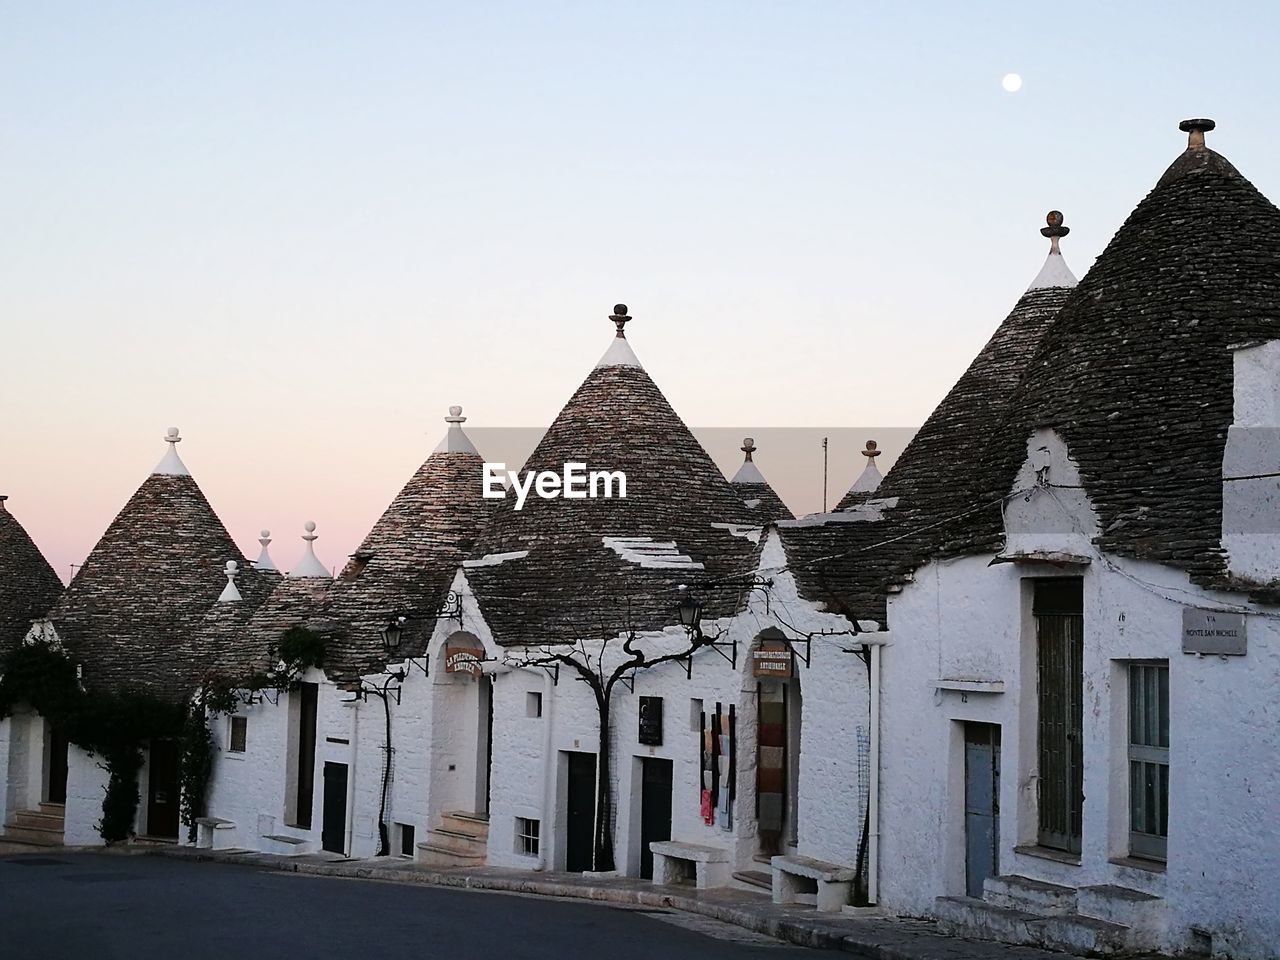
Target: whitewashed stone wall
835	692
86	789
964	619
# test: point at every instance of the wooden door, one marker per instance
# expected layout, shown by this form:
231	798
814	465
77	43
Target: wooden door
655	809
1059	615
333	830
308	702
981	805
581	814
56	782
162	789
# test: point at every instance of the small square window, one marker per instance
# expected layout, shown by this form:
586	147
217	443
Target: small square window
533	704
695	715
238	736
527	836
406	839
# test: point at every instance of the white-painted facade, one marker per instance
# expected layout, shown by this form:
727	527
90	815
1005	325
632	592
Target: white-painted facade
439	727
962	648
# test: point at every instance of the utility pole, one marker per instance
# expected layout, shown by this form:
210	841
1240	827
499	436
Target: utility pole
824	474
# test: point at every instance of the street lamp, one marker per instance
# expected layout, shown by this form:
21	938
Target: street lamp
392	634
690	612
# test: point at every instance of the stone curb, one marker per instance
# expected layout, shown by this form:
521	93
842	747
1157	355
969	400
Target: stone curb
790	930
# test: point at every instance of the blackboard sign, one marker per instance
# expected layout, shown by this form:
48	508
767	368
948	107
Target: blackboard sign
651	721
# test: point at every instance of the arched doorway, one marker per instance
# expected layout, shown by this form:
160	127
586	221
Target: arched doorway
464	696
778	715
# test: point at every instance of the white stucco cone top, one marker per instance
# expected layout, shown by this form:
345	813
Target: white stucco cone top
619	353
230	594
171	464
748	472
309	565
456	440
1055	272
870	478
264	561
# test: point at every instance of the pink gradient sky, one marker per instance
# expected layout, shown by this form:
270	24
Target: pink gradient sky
300	231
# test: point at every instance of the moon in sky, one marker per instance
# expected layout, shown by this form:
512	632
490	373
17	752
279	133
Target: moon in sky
1012	82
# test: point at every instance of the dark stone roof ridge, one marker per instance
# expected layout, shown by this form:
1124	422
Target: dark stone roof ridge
29	587
571	585
130	613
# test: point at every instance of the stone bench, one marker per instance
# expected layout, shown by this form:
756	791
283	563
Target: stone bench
206	831
796	876
675	862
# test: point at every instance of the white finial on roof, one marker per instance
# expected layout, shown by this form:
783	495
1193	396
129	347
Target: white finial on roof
229	593
1055	272
171	464
264	561
870	479
456	441
309	565
619	353
748	472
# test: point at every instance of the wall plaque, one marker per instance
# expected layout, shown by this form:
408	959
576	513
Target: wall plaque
1212	631
771	658
651	721
463	656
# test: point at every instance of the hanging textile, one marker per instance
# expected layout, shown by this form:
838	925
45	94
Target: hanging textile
724	805
707	799
771	764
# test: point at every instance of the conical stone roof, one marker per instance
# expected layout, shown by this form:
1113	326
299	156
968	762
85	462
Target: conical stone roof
129	614
407	562
28	585
1137	373
573	568
754	490
940	474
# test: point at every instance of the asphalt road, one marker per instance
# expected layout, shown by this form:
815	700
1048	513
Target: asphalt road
102	907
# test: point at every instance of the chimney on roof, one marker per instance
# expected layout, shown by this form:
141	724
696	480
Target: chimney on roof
620	318
264	561
309	565
1195	131
229	593
3	498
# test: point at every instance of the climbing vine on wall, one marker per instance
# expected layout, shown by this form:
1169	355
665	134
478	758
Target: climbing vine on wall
112	726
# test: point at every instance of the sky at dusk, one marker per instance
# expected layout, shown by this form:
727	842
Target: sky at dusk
300	231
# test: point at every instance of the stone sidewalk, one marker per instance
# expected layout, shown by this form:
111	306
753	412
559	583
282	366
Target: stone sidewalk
876	937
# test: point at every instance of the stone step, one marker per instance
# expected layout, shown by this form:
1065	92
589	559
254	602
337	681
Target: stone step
38	821
1033	896
287	846
54	809
462	843
1143	912
431	855
755	878
471	824
36	836
980	920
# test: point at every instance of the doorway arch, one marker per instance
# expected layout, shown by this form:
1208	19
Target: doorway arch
779	709
463	727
